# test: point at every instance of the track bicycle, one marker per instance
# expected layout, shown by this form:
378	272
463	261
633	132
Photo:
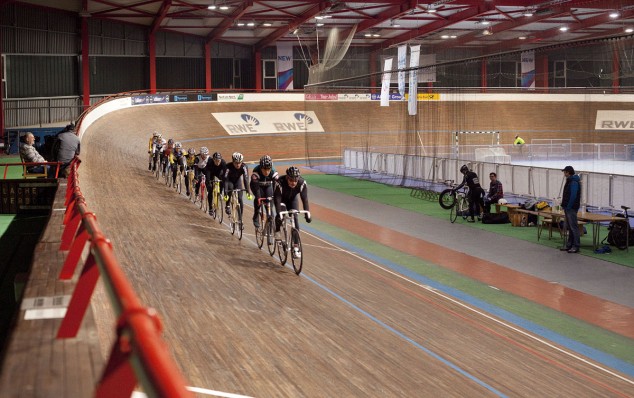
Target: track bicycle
235	215
179	180
202	193
216	201
265	231
158	165
291	241
167	175
190	178
461	205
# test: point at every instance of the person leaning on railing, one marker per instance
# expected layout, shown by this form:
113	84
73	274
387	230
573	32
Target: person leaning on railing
65	148
30	155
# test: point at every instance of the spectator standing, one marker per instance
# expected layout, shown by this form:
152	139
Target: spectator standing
571	201
66	147
30	155
495	192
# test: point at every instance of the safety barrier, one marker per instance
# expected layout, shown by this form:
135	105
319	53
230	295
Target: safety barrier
29	164
138	328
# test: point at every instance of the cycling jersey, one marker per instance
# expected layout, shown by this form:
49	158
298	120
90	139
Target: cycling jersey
285	194
177	156
216	171
233	175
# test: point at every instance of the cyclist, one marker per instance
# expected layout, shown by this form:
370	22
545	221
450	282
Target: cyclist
286	193
155	136
190	162
157	151
201	165
167	154
177	159
236	176
262	179
475	192
216	168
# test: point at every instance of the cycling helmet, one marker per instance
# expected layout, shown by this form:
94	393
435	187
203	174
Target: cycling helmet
163	142
156	134
237	157
217	156
464	168
159	136
204	150
170	141
191	151
178	145
292	172
266	162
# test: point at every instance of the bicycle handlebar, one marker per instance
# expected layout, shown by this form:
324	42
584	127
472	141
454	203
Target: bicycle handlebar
287	213
262	200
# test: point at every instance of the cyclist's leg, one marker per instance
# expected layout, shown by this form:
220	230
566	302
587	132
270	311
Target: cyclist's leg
472	205
294	205
278	221
257	194
228	194
210	196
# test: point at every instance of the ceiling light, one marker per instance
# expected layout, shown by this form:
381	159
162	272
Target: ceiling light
319	17
320	24
444	36
224	7
485	22
212	7
376	35
528	13
614	14
564	28
368	35
267	24
453	36
326	16
251	24
240	24
486	32
431	10
522	37
629	30
395	24
295	31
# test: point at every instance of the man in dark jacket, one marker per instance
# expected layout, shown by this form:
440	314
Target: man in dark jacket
571	201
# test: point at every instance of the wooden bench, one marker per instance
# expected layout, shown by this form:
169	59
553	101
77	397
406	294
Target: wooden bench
28	174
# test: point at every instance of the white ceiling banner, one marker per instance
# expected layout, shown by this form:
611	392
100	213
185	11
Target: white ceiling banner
245	123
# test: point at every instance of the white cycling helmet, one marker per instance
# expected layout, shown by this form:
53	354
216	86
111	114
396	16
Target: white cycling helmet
178	145
237	157
204	150
502	201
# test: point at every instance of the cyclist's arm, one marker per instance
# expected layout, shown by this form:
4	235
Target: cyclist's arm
277	198
303	194
245	178
464	181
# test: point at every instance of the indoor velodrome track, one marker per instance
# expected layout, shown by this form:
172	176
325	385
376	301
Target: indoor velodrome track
352	324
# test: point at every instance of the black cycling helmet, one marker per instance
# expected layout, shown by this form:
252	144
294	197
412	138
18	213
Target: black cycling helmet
266	162
217	156
292	172
464	168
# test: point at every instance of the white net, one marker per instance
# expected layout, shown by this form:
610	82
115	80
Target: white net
333	54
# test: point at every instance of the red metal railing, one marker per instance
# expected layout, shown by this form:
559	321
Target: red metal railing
29	164
138	340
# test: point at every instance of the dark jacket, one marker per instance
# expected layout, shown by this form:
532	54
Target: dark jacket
571	199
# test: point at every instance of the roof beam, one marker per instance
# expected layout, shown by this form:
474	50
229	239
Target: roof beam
156	24
226	23
437	25
295	23
391	13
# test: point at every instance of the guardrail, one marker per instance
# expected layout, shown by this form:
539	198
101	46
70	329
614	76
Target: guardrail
139	355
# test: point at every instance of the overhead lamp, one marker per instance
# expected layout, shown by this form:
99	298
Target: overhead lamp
528	13
453	36
431	9
487	32
563	29
522	37
224	7
319	24
251	23
444	36
295	31
267	24
614	14
395	24
212	7
629	30
376	35
240	24
368	35
485	22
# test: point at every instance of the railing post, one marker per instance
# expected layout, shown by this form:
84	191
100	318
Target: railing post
70	264
118	378
71	226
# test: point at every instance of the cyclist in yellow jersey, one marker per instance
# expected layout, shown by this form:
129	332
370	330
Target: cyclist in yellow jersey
190	162
155	136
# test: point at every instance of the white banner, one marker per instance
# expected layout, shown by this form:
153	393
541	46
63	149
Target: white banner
385	83
245	123
402	57
284	65
413	80
615	120
528	69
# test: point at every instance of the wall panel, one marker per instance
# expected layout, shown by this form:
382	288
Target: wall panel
110	75
175	73
41	76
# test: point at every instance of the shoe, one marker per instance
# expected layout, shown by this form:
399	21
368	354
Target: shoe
187	193
278	235
256	223
228	210
150	167
573	250
564	249
211	212
296	253
471	220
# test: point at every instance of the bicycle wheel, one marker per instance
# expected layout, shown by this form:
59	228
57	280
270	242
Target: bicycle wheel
453	214
260	233
203	198
240	225
214	208
282	247
297	255
179	183
221	208
446	199
233	219
270	236
464	207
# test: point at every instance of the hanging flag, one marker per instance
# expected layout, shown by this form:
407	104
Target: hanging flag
385	83
402	61
528	69
412	103
284	66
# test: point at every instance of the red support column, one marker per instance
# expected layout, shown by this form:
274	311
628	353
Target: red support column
208	84
152	44
258	71
541	73
483	75
616	70
85	61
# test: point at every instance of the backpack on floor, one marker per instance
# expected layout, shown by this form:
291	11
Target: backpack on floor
617	234
495	218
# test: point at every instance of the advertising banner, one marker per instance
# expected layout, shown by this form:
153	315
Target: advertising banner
284	65
230	97
193	97
246	123
385	83
615	120
150	99
402	55
413	80
354	97
321	97
528	69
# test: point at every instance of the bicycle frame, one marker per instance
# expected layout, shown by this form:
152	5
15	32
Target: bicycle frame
202	193
216	200
291	239
235	219
266	225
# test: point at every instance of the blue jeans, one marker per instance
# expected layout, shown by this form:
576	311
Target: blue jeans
574	236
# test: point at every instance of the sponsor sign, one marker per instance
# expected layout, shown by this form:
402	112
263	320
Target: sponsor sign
246	123
193	97
354	97
321	97
150	99
284	66
385	82
19	196
402	61
413	79
230	97
528	69
393	97
615	120
428	97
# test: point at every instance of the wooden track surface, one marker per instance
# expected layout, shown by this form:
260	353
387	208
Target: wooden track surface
236	321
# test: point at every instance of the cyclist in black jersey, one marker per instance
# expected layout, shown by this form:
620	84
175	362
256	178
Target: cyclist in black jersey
177	160
288	191
216	168
236	177
200	168
262	179
476	204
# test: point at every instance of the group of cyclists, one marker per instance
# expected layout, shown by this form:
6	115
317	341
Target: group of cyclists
265	182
